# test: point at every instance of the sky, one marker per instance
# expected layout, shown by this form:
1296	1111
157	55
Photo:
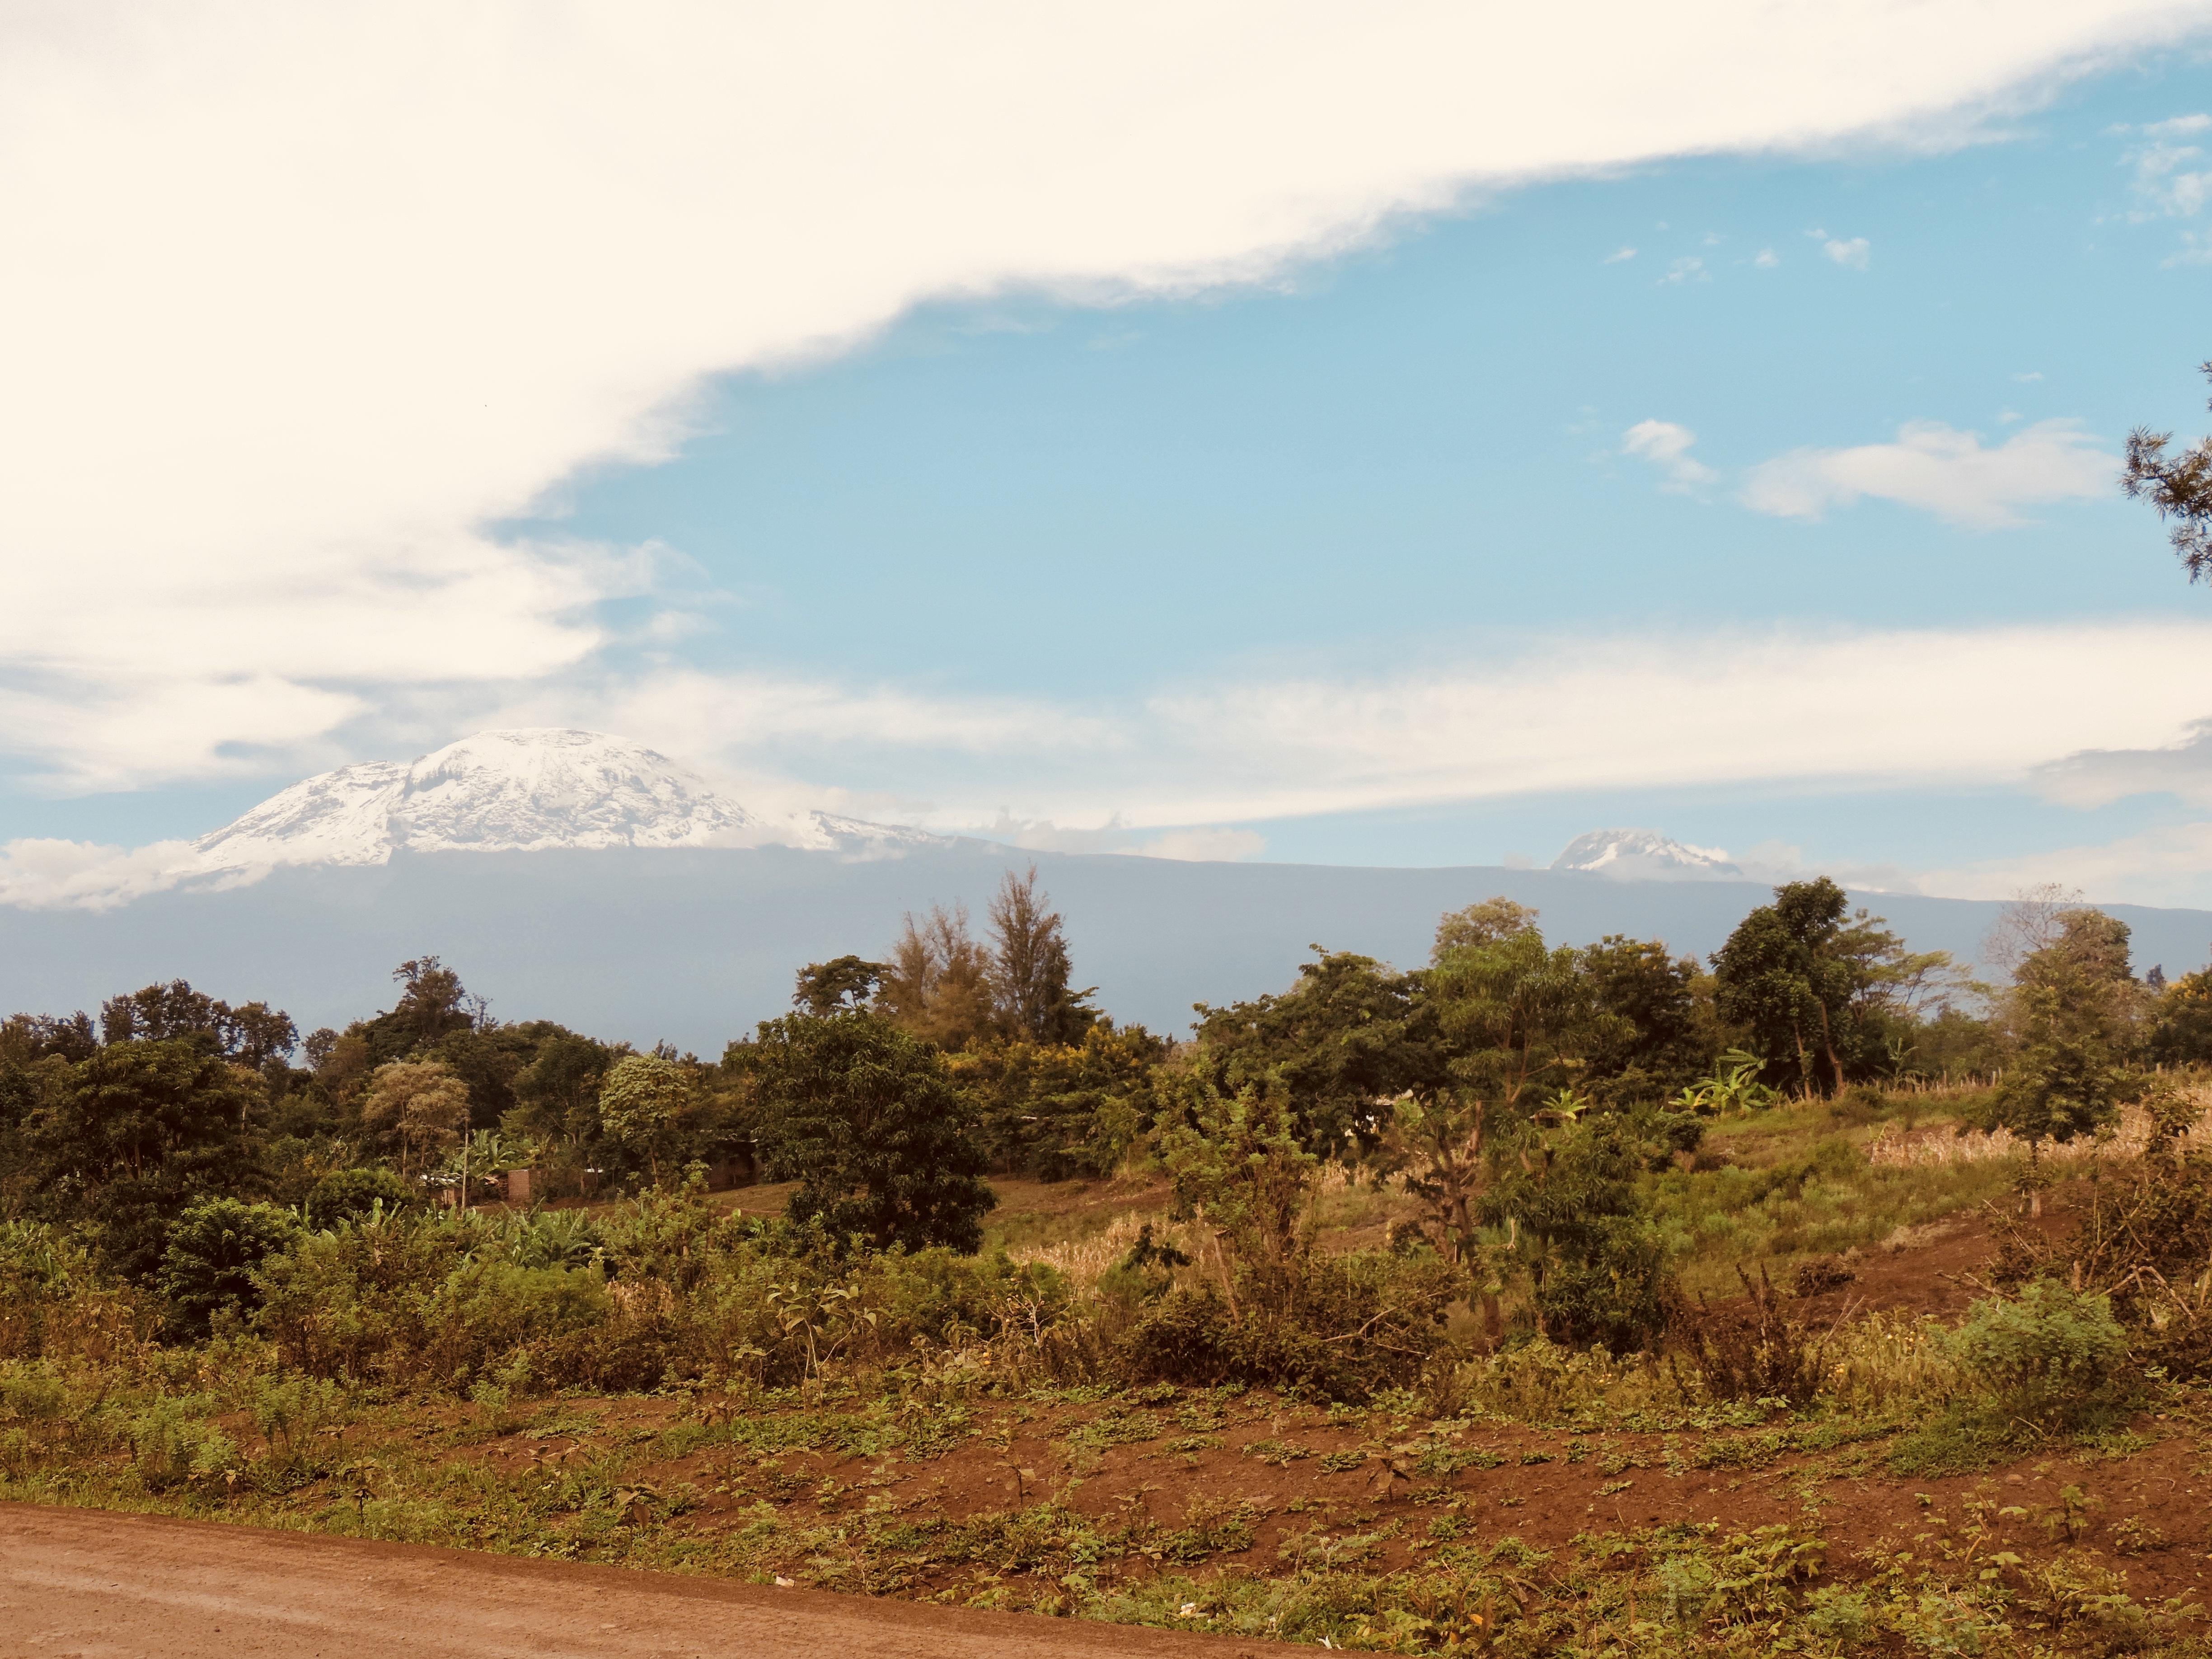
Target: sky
1400	434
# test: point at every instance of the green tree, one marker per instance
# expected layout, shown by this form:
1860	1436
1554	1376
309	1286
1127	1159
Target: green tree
1486	923
134	1132
1594	1263
838	986
2070	1016
433	1003
1060	1110
1801	976
865	1118
642	1104
2181	1030
2179	485
559	1088
253	1035
348	1195
1350	1037
1238	1165
1515	1018
1667	1039
211	1254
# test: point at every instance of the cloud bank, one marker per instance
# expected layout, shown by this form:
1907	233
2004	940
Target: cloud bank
299	300
1863	709
1940	470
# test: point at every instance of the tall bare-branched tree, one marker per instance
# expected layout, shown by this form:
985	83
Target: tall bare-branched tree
1029	967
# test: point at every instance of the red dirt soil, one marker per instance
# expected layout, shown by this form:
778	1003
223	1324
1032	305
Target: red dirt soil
80	1584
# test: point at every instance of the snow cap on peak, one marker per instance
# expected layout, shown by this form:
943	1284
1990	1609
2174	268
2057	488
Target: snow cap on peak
524	790
1644	855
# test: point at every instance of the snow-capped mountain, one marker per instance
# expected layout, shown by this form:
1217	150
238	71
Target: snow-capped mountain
521	791
1645	855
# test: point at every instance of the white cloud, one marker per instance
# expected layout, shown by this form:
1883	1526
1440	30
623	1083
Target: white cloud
2098	777
2163	865
298	300
1862	710
2165	182
1688	269
1767	259
1205	846
1854	255
1939	469
1666	447
1618	255
44	875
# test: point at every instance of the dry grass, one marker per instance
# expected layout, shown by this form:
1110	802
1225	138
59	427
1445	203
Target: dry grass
1896	1148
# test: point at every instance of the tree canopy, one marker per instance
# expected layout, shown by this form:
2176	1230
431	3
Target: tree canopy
866	1119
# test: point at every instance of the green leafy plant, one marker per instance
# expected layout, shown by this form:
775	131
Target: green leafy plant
2048	1356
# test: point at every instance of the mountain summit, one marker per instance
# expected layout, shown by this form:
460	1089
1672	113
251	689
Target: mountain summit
1645	855
522	791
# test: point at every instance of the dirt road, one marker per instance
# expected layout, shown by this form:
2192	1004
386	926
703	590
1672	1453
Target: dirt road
82	1583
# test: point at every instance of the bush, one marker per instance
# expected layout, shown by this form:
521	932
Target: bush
213	1250
1352	1327
1750	1350
348	1194
2048	1356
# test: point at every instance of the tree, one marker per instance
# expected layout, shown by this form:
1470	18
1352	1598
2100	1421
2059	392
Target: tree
1237	1164
134	1133
1486	923
938	984
1667	1040
1350	1037
419	1106
432	1003
1030	967
1059	1109
1595	1265
212	1250
1796	975
838	986
640	1104
348	1195
2179	486
253	1035
25	1038
1515	1018
865	1118
2069	1015
559	1088
2182	1035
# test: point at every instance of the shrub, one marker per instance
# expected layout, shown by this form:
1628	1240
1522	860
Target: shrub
56	1301
1821	1275
213	1250
1351	1326
1750	1350
2048	1356
348	1194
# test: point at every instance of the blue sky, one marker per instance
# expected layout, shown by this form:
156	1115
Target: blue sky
1332	562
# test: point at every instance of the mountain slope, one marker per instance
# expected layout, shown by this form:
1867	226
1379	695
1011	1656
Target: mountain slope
694	944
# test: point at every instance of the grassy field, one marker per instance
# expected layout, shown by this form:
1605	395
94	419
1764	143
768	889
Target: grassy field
1530	1502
